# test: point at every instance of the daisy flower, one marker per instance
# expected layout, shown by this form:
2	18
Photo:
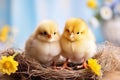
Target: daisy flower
92	4
106	13
94	66
8	65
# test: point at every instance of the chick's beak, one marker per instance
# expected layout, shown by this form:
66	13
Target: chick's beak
71	35
49	36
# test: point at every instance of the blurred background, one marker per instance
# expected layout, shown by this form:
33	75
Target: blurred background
18	18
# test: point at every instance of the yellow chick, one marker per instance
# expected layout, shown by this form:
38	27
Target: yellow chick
77	42
44	45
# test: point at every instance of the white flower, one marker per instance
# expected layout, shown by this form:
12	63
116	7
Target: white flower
94	22
106	13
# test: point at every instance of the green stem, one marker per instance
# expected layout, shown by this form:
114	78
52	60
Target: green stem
15	54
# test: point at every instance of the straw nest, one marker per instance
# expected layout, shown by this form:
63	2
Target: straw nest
108	57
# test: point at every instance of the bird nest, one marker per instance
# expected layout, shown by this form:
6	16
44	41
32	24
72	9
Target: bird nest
29	69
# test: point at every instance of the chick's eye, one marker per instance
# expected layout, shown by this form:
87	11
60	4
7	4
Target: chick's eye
54	33
78	32
45	33
67	30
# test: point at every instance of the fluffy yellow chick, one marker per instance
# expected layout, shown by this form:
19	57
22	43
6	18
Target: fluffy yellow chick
44	45
77	42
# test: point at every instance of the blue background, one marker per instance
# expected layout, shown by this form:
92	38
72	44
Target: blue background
26	14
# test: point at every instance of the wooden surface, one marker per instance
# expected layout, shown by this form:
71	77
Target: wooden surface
114	75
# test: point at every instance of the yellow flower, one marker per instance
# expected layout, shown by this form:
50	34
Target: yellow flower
4	33
94	66
92	4
8	65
